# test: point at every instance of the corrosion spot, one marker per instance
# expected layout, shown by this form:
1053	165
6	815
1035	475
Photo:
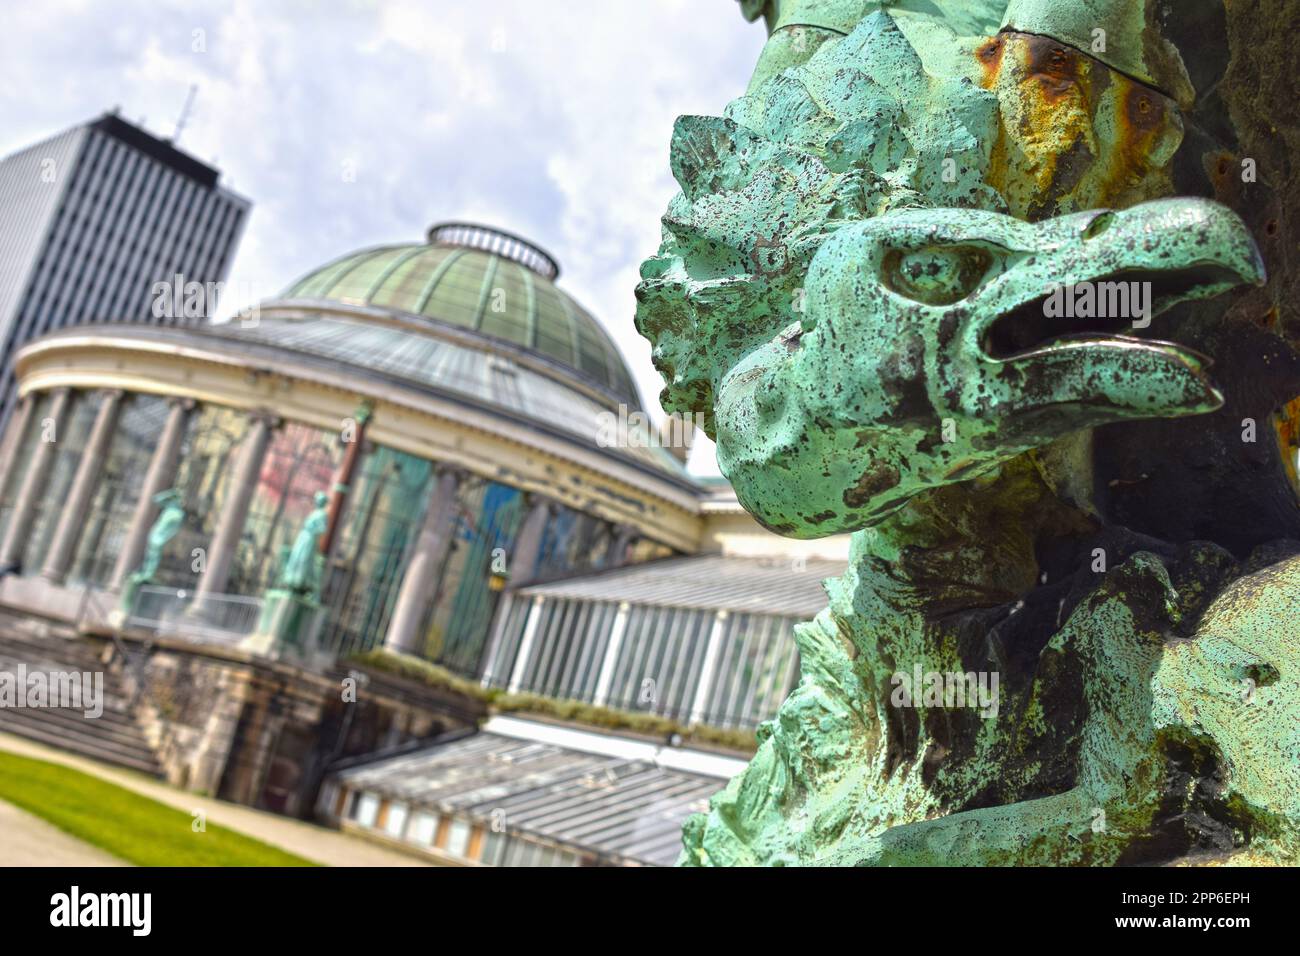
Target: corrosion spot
1144	109
1056	67
1220	167
989	57
874	481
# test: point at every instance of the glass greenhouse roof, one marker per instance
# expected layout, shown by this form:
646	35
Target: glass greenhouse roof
620	809
710	581
493	380
493	291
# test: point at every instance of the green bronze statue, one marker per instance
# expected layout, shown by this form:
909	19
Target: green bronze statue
171	516
291	613
993	287
301	571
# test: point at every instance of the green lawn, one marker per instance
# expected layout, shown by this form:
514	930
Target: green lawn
125	824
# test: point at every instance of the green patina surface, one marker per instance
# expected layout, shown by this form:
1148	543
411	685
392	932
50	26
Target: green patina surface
914	364
856	287
170	518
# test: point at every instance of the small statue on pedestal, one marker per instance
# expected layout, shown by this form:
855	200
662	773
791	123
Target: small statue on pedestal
171	516
301	572
291	616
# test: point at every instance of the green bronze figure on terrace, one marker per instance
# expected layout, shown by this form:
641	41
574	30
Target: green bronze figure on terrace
291	616
302	567
171	517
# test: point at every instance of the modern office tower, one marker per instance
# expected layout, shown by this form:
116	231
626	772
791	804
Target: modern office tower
91	219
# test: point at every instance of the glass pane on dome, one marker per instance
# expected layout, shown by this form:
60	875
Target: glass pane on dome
456	297
591	353
507	307
403	288
357	283
554	332
396	262
321	283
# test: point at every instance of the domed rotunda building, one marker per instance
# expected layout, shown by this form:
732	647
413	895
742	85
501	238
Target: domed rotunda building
408	453
445	395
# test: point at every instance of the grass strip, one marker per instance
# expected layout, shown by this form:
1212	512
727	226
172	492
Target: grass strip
124	823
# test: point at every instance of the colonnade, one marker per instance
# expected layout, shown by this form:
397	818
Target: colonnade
430	549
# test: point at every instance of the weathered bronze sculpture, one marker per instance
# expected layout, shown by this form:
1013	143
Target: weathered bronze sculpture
171	517
925	283
291	616
301	570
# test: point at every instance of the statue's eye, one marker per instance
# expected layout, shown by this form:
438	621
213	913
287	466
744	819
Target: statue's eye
938	275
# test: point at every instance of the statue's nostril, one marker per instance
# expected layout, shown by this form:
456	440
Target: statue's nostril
1099	224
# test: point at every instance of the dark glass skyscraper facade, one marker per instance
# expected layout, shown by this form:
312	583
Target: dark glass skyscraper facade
92	219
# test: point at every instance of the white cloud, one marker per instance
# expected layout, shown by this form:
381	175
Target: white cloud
548	119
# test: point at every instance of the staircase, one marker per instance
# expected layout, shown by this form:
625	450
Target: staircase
113	737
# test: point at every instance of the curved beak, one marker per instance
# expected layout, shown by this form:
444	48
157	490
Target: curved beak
1072	328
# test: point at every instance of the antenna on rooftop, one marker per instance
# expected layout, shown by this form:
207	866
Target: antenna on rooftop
185	113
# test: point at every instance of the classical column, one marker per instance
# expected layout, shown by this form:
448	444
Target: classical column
12	439
421	576
34	483
523	562
160	476
234	512
343	478
73	517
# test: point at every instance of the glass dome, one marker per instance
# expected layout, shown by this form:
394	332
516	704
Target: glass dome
480	279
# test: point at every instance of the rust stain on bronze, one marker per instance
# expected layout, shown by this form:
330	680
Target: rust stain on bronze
1142	117
1143	108
1286	426
1053	65
1220	167
989	56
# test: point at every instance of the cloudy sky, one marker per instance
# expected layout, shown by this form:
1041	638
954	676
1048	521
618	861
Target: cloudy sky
356	123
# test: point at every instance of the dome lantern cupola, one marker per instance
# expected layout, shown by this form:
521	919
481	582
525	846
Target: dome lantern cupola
507	245
481	281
